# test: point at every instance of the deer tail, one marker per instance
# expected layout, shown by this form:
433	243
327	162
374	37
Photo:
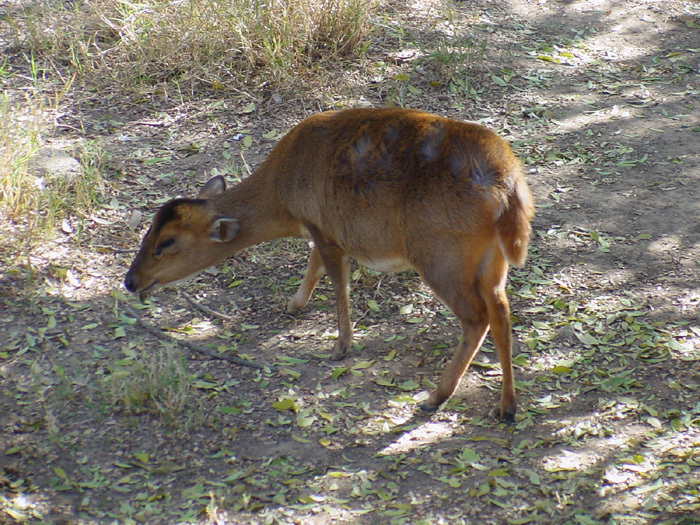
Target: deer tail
513	225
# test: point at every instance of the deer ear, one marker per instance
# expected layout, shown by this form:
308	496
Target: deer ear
213	186
224	230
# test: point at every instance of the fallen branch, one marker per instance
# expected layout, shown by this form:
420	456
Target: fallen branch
205	309
193	346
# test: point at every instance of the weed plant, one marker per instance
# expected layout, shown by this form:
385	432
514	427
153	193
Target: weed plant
152	382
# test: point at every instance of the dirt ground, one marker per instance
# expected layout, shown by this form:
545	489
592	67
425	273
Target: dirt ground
599	99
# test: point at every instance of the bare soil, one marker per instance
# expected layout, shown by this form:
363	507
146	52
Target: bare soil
599	99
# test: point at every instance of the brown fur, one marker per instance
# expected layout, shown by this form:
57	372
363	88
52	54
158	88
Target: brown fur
393	188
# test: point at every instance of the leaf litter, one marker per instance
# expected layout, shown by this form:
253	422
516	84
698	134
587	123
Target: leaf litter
605	316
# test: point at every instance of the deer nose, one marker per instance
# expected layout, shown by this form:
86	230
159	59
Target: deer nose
130	282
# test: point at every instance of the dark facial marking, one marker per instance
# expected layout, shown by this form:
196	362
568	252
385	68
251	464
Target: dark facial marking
162	246
169	212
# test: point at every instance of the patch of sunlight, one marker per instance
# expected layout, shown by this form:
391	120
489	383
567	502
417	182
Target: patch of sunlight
22	507
662	471
425	434
568	460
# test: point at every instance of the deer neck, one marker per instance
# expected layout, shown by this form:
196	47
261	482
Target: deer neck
256	204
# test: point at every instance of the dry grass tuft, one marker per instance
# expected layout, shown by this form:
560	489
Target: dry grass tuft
216	43
125	45
40	185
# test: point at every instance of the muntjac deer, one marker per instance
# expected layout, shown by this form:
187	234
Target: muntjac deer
394	189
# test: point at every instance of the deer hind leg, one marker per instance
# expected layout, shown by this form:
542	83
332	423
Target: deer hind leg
492	284
465	303
337	267
314	272
474	291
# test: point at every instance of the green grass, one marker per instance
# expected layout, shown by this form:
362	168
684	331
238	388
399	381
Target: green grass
154	382
20	139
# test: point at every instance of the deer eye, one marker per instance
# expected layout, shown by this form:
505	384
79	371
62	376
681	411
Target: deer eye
162	246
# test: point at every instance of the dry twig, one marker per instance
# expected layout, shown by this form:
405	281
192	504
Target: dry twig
204	308
193	346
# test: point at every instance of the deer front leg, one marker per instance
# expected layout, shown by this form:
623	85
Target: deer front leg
314	272
337	266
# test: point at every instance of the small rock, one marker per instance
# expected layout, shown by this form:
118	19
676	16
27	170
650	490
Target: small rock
566	334
51	163
135	219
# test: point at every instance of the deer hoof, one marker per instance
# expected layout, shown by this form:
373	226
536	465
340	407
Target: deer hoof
340	351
